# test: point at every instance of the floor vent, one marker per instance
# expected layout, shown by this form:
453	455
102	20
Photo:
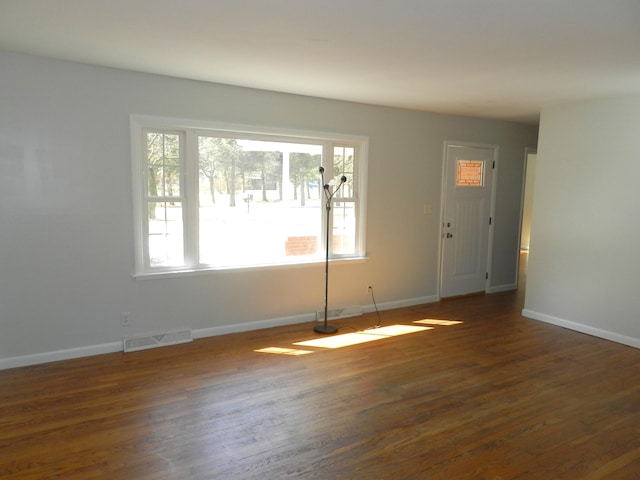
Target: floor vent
342	312
143	342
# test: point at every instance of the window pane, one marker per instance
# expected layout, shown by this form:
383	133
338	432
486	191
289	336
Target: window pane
344	228
163	164
171	152
259	201
171	186
469	173
343	164
165	234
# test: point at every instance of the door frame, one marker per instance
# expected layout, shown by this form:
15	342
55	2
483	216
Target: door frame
492	208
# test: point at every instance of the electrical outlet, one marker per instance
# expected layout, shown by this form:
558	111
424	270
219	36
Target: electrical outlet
125	319
369	290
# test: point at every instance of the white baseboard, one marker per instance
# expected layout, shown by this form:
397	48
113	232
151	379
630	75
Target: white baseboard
579	327
249	326
502	288
409	302
46	357
71	353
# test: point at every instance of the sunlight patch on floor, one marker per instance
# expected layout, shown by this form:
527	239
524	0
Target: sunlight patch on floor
369	335
339	341
283	351
433	321
347	339
395	330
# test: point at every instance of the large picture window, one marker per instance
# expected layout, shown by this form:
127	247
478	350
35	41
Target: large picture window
214	197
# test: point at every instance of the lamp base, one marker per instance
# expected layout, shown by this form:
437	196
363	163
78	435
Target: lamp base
324	328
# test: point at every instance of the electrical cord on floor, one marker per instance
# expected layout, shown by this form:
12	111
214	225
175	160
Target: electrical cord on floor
351	327
379	319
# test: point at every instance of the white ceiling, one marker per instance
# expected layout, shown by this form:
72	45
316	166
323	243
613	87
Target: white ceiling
487	58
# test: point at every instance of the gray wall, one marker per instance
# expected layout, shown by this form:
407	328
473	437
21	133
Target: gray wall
66	227
584	263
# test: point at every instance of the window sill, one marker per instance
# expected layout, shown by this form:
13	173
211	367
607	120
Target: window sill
223	270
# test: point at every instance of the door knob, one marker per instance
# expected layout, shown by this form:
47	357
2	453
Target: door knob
449	235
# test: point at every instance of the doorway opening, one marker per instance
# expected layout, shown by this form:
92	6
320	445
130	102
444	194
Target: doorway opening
528	181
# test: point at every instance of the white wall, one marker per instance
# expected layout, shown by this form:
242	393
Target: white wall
66	228
584	265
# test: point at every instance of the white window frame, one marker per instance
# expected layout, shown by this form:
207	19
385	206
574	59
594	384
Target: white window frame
190	130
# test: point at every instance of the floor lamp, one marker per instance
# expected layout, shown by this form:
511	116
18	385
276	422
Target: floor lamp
324	328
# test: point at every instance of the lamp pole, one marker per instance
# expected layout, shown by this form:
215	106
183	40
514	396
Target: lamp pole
325	328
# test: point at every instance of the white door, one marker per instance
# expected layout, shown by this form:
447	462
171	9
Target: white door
467	189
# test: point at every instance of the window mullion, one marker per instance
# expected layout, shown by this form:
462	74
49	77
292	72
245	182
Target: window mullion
190	174
327	163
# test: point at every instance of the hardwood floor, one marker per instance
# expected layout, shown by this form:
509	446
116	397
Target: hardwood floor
497	396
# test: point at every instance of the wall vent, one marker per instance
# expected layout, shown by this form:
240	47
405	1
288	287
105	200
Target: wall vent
143	342
342	312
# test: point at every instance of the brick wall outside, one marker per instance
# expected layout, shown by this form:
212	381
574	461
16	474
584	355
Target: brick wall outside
303	245
308	245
